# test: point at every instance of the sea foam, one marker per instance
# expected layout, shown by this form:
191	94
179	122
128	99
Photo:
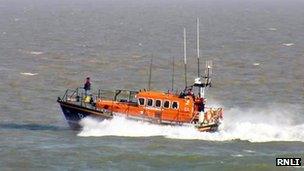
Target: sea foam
28	73
36	53
254	125
288	44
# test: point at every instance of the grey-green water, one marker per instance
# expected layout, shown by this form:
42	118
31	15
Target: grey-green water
48	46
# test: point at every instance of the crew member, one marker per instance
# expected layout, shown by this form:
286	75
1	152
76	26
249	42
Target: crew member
202	105
87	85
190	93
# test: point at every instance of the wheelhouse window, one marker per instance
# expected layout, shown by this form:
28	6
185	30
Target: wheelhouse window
174	105
166	104
141	101
150	102
158	103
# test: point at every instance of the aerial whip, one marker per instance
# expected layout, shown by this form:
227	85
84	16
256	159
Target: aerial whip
172	84
185	56
197	47
150	73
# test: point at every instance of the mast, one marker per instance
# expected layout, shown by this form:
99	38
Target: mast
201	92
197	47
185	56
172	85
150	73
208	73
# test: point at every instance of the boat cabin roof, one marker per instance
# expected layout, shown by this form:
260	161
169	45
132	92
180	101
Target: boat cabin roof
157	95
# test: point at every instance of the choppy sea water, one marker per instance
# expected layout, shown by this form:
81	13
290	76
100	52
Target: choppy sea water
48	46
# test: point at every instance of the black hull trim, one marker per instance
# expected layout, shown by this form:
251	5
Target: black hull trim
74	113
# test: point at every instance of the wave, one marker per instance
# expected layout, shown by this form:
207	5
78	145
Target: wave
272	123
36	53
272	29
28	73
288	44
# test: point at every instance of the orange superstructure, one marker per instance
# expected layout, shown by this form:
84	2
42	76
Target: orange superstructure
164	107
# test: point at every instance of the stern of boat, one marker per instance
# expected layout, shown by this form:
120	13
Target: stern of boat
211	120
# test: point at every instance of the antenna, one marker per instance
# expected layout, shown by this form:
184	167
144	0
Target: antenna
172	85
198	48
185	56
150	73
207	77
208	73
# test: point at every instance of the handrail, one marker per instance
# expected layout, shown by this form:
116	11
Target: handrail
78	95
194	116
65	94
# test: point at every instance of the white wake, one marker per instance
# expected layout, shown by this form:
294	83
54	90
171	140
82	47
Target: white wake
273	123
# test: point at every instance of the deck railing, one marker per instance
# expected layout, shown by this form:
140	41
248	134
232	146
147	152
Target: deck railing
83	98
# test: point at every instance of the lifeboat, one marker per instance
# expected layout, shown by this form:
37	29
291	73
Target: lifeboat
187	107
164	108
